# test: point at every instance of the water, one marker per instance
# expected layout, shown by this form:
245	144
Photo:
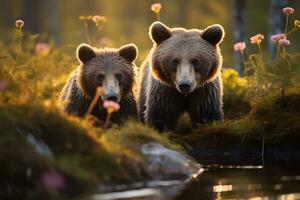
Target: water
272	182
251	182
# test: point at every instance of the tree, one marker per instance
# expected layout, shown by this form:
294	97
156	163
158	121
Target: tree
53	12
31	15
239	32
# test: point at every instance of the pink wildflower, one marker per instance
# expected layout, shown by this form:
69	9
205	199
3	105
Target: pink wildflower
3	85
239	46
284	42
52	180
19	24
288	10
257	39
111	106
277	37
98	20
42	49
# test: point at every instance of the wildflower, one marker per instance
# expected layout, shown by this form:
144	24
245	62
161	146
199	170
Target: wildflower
297	23
239	46
284	42
288	10
111	106
156	7
19	24
257	39
52	180
277	37
97	19
3	85
42	49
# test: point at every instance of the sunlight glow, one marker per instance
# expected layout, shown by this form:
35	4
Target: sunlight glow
222	188
293	196
236	166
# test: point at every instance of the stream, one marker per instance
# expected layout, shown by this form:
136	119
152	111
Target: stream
252	182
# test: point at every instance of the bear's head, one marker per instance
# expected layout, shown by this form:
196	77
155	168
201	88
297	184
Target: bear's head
111	69
185	59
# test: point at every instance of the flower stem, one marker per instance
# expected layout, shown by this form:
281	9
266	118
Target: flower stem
107	120
87	32
260	52
19	50
284	51
286	26
278	50
243	56
294	29
99	92
157	16
282	91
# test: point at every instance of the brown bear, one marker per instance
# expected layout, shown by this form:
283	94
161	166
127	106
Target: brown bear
114	71
181	75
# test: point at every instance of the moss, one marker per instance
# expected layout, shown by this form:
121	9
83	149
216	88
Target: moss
275	118
135	134
231	110
85	156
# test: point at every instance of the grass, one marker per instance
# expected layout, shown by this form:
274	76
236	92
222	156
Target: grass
85	156
275	118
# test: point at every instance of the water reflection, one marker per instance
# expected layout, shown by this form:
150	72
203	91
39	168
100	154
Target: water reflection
244	182
217	182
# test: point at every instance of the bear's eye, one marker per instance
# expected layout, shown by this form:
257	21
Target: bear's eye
119	76
175	62
100	77
195	62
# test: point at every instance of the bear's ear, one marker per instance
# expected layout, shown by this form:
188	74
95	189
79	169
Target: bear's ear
159	32
213	34
85	53
128	52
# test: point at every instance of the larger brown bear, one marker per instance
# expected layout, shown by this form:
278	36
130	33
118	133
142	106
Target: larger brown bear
181	74
111	69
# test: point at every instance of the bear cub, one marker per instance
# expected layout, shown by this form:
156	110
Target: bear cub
181	75
111	69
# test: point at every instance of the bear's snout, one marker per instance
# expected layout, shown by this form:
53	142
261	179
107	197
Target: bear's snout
185	86
111	97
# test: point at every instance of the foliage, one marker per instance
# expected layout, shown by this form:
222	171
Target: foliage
78	154
41	139
233	84
275	118
276	74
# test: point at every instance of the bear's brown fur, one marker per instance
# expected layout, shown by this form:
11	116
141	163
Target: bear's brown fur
113	70
181	74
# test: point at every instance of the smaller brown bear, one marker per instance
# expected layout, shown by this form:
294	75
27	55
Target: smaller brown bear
112	69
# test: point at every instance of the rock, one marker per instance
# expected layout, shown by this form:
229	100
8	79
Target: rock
167	164
40	147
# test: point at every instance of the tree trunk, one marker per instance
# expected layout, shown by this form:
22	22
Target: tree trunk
32	17
53	12
239	32
183	6
276	22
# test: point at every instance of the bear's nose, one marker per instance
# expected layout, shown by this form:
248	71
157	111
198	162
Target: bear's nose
111	97
185	86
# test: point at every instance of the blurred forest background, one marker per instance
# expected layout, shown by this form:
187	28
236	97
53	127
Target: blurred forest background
57	21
